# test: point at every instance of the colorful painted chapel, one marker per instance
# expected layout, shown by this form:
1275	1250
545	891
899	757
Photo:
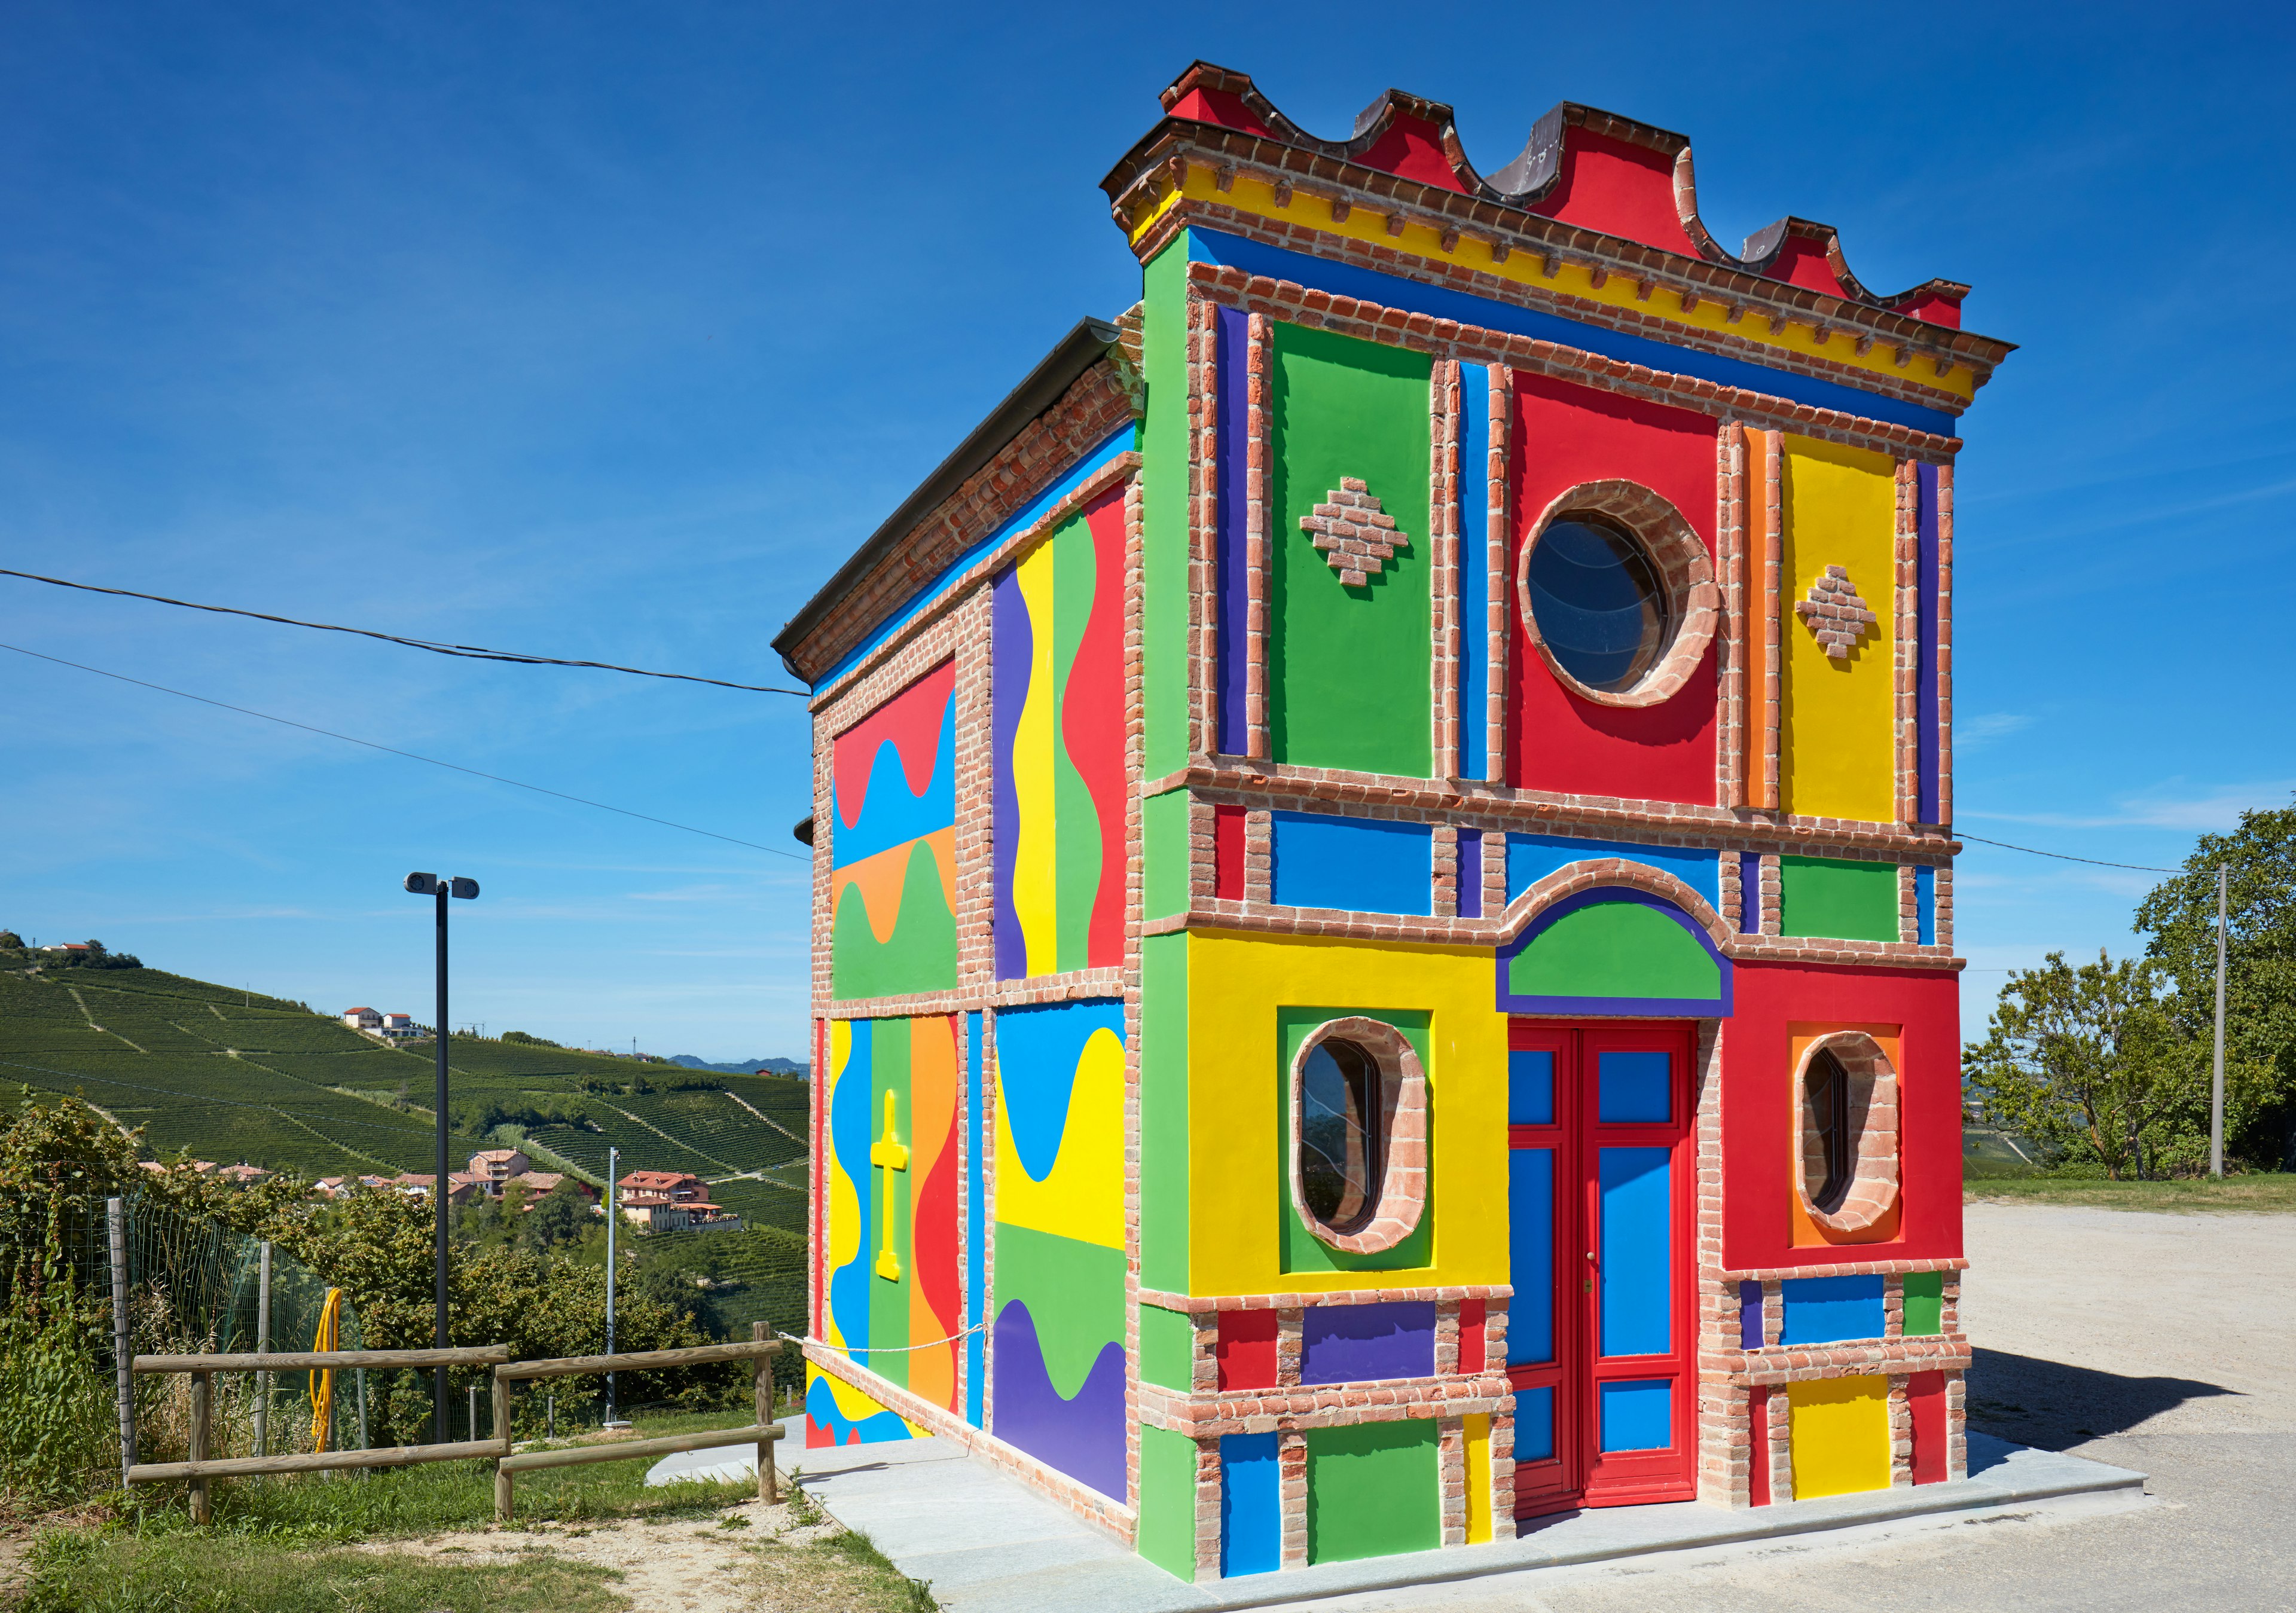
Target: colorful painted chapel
1383	956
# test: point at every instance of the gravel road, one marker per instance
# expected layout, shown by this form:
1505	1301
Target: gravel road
2165	1343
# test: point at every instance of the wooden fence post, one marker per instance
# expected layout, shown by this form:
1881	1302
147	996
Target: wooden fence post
502	1433
202	1384
768	1480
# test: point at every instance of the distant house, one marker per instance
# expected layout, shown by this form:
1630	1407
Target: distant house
538	1183
399	1025
362	1019
640	1189
334	1187
242	1174
460	1189
687	1217
496	1167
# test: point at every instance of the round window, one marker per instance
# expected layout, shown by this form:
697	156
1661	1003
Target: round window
1599	602
1341	1141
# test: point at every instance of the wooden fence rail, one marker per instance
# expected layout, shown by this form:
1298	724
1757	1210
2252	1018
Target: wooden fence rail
758	1349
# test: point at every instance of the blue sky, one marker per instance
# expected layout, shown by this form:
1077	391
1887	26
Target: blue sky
607	332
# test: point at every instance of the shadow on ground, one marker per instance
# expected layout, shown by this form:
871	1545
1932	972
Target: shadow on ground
2055	1406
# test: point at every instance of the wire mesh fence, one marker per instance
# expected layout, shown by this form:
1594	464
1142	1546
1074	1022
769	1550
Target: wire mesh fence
189	1283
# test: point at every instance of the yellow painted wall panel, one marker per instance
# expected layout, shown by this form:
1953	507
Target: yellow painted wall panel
1837	755
1237	1087
1839	1431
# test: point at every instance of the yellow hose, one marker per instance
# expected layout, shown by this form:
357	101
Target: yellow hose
323	1382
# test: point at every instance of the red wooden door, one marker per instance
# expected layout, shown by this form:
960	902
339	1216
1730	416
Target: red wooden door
1602	1186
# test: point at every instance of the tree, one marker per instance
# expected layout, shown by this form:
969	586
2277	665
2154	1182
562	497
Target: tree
557	1217
10	941
2179	920
2080	1061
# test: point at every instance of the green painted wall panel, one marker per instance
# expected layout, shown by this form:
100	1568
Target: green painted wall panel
1372	1490
1074	1291
1614	949
1164	854
1349	679
921	956
1302	1250
1164	1112
1168	1347
888	1300
1925	1304
1837	898
1164	510
1168	1502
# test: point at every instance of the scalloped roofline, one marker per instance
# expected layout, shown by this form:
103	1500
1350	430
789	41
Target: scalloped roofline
1415	140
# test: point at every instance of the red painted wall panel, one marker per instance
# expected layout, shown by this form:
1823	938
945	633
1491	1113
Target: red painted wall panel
1925	1399
1565	435
1758	1108
1473	1315
1758	1445
1246	1349
1228	853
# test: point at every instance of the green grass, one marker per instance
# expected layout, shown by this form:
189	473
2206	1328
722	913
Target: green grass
278	1545
2257	1192
125	1572
234	1078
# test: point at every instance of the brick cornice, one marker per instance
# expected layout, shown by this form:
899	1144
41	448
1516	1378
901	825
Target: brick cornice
1800	1364
1286	300
1472	804
1204	1416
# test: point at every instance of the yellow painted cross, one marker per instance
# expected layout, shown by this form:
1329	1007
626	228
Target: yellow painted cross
893	1157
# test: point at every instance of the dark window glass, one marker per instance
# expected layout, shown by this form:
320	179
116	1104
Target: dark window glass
1598	603
1829	1098
1341	1147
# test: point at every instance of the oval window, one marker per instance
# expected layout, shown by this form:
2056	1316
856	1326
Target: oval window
1342	1151
1598	601
1828	1084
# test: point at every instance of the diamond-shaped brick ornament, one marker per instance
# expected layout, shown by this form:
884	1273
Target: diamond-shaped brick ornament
1834	614
1357	537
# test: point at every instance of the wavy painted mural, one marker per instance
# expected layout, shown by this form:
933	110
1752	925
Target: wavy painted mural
892	878
1058	723
895	1293
838	1413
1058	1358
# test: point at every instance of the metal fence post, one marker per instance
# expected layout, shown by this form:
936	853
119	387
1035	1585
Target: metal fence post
263	1347
116	1215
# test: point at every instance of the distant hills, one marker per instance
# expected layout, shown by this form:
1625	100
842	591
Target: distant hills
235	1078
780	1067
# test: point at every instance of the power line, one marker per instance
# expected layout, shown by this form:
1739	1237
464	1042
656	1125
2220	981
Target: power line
468	652
2064	857
393	750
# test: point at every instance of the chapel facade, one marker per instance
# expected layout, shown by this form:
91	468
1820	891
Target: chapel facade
1383	956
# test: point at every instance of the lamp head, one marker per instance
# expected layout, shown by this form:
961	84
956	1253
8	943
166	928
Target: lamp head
467	890
422	884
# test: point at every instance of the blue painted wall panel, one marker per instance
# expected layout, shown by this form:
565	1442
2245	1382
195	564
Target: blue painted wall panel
1827	1310
1925	905
1531	857
1530	1212
1474	571
1358	864
1636	1252
1251	1505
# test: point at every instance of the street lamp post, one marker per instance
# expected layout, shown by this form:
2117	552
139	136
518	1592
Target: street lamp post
431	885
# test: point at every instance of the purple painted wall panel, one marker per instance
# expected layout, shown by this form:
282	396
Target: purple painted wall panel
1469	875
1925	685
1750	893
1750	1315
1012	647
1349	1343
1232	346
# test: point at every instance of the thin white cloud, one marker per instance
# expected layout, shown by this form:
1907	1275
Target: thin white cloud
1974	734
2211	810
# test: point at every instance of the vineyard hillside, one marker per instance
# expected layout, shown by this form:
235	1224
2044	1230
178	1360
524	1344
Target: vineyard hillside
234	1077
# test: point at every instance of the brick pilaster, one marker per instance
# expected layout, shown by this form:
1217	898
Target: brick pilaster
1451	1476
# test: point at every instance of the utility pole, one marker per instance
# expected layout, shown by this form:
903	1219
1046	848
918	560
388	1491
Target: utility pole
2216	1087
613	1214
